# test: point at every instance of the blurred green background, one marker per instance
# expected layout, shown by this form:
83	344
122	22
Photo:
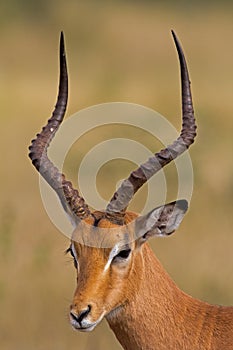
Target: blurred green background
117	51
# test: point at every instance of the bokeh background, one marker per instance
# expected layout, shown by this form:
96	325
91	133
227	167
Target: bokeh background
117	51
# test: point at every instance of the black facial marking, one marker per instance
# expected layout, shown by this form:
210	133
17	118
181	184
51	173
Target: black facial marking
96	219
70	251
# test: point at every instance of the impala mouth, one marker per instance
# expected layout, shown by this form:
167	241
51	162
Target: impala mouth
85	328
85	325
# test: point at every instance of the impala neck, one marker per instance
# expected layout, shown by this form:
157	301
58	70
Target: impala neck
162	317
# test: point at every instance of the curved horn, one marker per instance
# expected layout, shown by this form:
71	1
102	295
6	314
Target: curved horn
138	177
71	201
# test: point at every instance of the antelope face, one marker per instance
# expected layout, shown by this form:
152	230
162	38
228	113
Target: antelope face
107	270
102	270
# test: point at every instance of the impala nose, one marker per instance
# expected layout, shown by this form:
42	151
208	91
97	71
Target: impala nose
78	318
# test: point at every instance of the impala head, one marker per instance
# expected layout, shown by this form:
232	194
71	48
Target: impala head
108	246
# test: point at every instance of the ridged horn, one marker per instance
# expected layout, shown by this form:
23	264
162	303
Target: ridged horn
71	201
122	197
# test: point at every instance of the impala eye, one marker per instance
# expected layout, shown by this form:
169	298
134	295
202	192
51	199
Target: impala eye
122	255
70	251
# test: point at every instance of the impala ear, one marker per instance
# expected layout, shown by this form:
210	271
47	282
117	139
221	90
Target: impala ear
161	221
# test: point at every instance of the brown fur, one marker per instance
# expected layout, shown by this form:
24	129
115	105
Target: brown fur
143	306
161	317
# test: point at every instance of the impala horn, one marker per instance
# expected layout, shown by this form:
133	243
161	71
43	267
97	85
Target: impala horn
71	201
124	194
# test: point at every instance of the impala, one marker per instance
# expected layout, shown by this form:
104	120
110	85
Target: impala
119	277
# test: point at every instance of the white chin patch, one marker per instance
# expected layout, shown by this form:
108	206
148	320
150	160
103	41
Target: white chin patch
86	325
77	327
89	329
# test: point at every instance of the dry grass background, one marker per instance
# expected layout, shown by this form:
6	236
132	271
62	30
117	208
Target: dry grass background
117	51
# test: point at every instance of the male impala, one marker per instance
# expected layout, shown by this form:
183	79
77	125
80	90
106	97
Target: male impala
118	277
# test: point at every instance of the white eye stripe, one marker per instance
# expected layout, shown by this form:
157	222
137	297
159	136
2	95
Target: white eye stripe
74	252
114	252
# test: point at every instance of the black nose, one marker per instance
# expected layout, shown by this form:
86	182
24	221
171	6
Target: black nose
82	314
